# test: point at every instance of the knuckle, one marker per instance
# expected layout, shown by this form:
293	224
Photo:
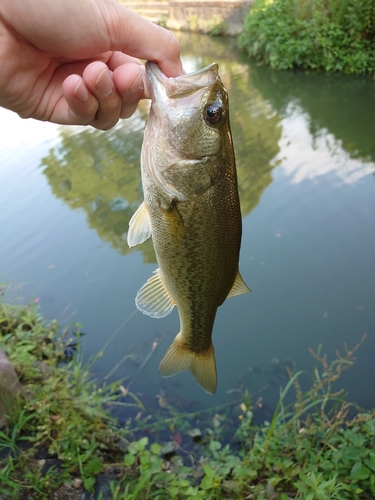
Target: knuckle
106	121
128	110
104	125
173	43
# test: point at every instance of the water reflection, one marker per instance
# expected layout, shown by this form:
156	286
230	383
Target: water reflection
256	128
307	250
99	172
339	109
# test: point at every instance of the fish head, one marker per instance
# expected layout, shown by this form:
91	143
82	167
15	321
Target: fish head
188	134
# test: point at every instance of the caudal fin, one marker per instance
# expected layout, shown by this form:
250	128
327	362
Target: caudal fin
180	357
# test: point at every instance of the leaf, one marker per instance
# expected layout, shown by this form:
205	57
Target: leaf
370	462
129	459
168	448
214	445
94	466
89	483
208	471
173	491
230	485
356	468
196	434
216	420
363	473
206	483
141	444
156	448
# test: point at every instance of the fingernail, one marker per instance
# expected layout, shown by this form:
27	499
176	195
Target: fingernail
138	84
80	92
104	83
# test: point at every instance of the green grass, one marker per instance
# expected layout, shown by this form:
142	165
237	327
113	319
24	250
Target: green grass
330	35
317	446
62	409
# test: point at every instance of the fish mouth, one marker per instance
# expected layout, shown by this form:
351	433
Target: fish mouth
160	85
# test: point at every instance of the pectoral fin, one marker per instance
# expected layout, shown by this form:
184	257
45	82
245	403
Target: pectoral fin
153	298
239	287
175	224
139	226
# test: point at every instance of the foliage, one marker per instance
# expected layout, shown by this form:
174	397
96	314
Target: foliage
336	108
98	172
61	412
312	449
317	446
214	26
334	35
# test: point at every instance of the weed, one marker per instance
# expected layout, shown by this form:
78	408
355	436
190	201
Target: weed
309	450
62	409
317	446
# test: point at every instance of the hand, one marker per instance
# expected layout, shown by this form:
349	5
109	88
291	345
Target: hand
76	62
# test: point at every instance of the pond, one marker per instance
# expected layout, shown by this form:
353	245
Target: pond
305	147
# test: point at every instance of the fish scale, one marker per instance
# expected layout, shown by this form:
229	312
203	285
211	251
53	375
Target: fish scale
191	209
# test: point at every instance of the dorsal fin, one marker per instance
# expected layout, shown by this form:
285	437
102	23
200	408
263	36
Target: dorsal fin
153	298
139	226
239	287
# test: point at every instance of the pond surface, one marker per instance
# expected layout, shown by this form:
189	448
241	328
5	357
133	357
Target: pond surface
305	146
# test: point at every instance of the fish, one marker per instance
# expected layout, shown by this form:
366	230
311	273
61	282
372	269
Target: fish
191	209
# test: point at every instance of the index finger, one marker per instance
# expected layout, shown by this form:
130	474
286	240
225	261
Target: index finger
134	35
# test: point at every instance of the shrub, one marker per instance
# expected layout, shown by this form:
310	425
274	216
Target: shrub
334	35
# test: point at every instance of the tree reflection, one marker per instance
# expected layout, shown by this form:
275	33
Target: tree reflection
340	104
256	128
99	172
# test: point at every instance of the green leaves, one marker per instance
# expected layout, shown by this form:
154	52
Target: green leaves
359	472
309	449
89	471
334	36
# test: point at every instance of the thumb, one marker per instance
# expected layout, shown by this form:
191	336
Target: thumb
132	34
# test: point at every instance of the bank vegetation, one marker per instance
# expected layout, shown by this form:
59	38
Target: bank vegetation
330	35
61	439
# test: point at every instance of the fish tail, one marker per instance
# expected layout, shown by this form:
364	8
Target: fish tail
180	357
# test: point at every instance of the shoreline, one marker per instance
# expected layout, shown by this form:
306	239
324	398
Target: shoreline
61	442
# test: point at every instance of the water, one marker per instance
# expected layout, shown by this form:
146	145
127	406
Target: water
305	146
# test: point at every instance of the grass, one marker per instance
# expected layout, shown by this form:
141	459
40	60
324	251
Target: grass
60	430
61	413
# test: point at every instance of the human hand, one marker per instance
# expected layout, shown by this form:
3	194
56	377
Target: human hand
76	62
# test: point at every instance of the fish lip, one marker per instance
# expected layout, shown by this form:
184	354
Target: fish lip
154	68
212	66
159	84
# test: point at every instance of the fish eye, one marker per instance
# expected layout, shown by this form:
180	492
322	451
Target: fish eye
214	113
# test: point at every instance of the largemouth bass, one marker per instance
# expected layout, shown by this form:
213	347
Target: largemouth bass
191	209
